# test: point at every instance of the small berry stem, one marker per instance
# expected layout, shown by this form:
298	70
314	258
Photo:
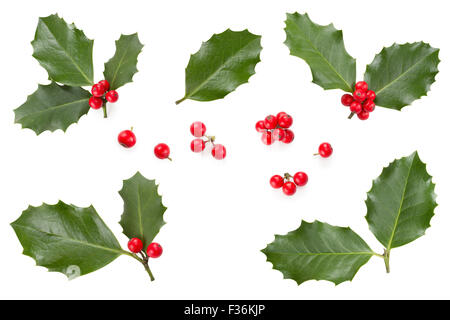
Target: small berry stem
351	115
316	154
147	268
105	113
169	158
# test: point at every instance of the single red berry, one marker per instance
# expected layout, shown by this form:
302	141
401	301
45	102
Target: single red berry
356	107
288	136
289	188
135	245
369	105
276	181
105	84
325	150
364	115
154	250
260	127
198	129
266	138
127	138
371	95
347	100
162	151
98	90
362	85
270	122
285	121
198	145
300	179
219	152
112	96
278	134
95	103
280	114
359	95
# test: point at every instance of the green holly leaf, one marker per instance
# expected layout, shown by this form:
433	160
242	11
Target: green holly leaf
322	47
318	251
401	202
222	64
120	69
67	239
401	74
143	209
53	107
64	51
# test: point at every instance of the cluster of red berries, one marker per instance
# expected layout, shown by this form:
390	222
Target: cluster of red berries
101	94
276	128
198	130
361	102
300	179
154	250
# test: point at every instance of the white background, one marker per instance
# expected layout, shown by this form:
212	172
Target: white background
221	214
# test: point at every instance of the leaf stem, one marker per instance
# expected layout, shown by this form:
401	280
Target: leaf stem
386	256
143	261
105	113
180	101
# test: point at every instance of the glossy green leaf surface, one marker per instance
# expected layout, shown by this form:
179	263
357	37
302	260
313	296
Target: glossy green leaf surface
64	51
120	69
143	209
223	63
322	47
52	107
401	202
403	73
67	239
318	251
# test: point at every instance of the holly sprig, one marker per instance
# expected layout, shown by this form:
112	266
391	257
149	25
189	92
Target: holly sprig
400	206
398	75
66	54
75	241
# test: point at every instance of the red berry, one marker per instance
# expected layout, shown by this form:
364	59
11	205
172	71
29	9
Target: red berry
127	138
105	84
98	90
278	134
369	105
289	188
135	245
95	103
260	127
112	96
362	85
276	181
347	100
162	151
371	95
270	122
219	152
198	129
288	136
325	150
356	107
266	138
280	114
364	115
154	250
198	145
285	121
300	179
359	95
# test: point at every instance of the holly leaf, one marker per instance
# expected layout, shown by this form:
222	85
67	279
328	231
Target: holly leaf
222	64
120	69
53	107
318	251
143	209
401	202
403	73
322	47
64	51
67	239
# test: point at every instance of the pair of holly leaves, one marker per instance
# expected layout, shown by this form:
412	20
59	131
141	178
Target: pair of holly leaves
399	74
